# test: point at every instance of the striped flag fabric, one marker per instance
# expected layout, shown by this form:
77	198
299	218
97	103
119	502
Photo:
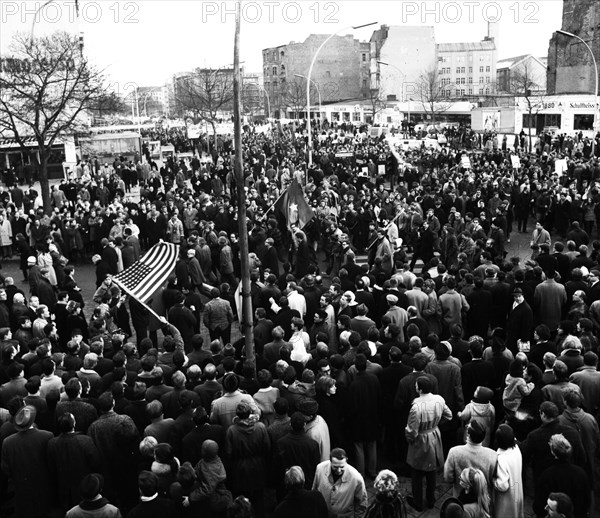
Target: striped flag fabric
146	275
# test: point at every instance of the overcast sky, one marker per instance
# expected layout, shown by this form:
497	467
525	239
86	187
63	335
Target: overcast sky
146	41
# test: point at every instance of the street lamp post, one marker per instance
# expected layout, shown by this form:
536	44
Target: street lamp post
312	64
399	71
318	92
571	35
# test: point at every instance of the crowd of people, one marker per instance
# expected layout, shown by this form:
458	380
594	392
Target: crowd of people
438	355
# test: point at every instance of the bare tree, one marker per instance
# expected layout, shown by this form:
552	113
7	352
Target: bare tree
251	99
431	93
47	87
377	99
294	97
205	93
526	84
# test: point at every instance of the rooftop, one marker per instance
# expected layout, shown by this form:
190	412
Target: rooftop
466	47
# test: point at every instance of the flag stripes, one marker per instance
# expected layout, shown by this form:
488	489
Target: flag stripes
143	277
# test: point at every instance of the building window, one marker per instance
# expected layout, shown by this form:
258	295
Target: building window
481	70
583	122
480	90
282	54
462	70
356	116
470	70
458	80
346	116
327	73
487	69
364	83
458	70
442	71
470	91
274	71
552	119
462	80
470	80
335	116
487	91
487	79
364	57
462	92
529	120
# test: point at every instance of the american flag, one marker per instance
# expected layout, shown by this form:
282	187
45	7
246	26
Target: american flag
145	276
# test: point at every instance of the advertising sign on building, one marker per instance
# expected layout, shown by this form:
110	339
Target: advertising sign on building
491	121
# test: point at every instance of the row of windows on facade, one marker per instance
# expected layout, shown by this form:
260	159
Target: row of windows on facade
581	121
465	81
464	59
461	92
462	70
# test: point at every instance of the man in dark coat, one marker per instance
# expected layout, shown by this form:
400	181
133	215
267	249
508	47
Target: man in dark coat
536	447
184	320
109	255
296	449
45	290
72	456
364	412
269	259
117	440
299	502
477	372
191	444
480	309
390	379
25	461
151	505
563	477
519	323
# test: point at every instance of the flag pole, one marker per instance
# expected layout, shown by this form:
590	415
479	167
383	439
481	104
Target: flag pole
247	326
275	203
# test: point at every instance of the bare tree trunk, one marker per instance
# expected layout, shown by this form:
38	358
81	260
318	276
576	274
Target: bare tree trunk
43	179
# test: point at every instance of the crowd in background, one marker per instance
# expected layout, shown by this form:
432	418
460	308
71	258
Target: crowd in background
392	331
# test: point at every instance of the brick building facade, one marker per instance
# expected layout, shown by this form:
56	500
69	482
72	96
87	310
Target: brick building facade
570	65
341	71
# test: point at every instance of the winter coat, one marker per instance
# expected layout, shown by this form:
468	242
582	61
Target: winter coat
25	461
508	488
364	407
484	414
425	451
72	456
247	448
515	390
6	233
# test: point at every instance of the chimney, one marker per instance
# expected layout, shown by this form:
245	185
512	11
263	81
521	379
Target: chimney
493	32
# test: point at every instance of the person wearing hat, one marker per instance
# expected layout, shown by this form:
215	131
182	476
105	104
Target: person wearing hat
316	427
471	455
507	482
519	324
396	314
25	462
93	504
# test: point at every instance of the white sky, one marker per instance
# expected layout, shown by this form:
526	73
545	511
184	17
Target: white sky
146	41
